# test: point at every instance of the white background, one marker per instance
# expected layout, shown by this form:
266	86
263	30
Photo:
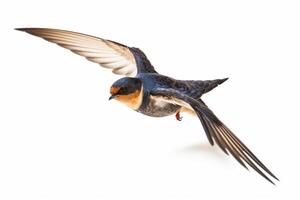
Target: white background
60	137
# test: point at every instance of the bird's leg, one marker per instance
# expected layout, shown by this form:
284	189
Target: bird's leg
178	116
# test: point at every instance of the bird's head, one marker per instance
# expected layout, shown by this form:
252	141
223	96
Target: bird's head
127	90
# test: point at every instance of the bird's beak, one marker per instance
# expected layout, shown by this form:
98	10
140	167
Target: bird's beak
112	97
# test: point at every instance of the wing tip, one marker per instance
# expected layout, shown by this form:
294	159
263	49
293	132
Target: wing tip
275	177
272	181
20	29
27	30
32	29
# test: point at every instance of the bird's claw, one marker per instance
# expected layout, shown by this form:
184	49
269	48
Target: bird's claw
178	116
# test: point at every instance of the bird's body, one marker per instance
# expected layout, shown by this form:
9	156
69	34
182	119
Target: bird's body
158	106
151	93
152	105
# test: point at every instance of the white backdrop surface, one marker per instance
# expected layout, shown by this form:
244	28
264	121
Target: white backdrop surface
60	137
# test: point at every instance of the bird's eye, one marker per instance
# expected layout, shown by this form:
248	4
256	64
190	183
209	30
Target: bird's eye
124	89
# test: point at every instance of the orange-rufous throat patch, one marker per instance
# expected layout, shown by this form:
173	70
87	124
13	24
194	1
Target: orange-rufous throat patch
133	100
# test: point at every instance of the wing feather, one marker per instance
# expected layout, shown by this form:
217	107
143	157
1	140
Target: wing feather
108	54
217	131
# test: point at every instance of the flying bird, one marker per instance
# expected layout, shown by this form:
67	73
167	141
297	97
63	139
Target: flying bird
146	91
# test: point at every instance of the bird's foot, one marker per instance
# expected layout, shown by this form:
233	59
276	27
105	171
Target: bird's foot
178	116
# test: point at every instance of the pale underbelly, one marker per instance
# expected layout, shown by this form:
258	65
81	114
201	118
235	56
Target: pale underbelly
156	108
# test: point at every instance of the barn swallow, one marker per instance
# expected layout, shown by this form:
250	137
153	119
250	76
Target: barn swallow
146	91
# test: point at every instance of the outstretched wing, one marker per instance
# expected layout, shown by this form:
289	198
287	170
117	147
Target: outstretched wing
216	130
121	59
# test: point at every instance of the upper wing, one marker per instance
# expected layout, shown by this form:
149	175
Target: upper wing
216	130
121	59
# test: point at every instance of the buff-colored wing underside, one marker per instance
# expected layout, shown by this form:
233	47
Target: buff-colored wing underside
108	54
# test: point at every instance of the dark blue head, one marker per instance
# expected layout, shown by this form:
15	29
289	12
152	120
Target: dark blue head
125	86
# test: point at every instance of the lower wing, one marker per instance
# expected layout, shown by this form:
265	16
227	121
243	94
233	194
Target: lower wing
216	131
